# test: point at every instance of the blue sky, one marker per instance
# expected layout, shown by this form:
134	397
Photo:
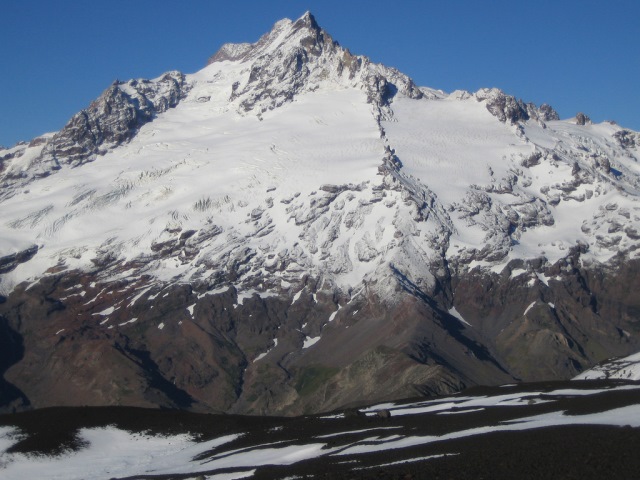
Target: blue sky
576	55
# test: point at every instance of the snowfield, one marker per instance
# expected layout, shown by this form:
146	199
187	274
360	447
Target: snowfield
208	167
627	368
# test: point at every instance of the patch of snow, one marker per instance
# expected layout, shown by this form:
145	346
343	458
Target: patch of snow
332	417
351	432
296	297
543	278
137	297
107	311
411	460
242	296
231	475
525	400
264	354
263	455
381	406
516	272
353	297
529	307
111	452
8	437
308	342
261	356
333	315
456	412
453	312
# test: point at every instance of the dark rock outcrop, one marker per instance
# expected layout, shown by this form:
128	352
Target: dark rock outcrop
504	107
112	119
10	262
582	119
627	139
509	109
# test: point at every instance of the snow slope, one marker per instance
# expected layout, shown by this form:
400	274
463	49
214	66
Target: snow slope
627	368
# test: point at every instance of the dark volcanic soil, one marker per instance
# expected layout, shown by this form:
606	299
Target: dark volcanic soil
560	452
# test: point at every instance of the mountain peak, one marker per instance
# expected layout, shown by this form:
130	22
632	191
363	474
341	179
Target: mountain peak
301	56
283	31
308	20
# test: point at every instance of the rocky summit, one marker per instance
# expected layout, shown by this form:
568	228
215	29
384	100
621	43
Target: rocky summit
295	229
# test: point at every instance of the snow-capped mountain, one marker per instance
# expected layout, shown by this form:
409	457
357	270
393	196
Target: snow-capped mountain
295	228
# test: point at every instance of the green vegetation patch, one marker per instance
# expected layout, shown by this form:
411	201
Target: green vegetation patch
311	378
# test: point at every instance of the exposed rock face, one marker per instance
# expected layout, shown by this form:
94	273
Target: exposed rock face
504	107
11	398
547	113
582	119
297	56
10	262
627	139
295	229
113	118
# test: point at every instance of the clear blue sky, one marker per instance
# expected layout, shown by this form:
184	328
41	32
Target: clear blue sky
577	55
